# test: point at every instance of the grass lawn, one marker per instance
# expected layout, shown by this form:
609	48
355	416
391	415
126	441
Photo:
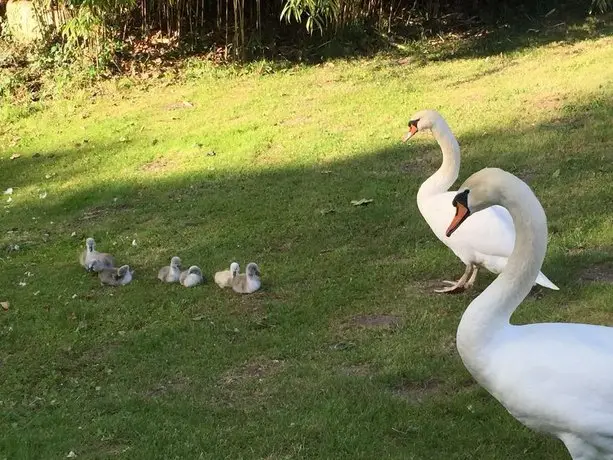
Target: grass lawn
346	352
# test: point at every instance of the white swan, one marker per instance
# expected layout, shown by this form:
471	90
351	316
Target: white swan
94	261
555	378
116	276
486	239
191	277
171	273
249	281
224	278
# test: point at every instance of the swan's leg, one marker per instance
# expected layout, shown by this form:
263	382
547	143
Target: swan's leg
472	278
457	286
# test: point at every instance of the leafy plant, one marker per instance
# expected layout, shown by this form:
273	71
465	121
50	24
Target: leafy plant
601	5
319	13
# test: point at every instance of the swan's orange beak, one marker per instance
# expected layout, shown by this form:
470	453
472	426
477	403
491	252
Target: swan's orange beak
410	133
461	213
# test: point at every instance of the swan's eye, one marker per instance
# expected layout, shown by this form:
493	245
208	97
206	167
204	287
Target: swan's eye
461	198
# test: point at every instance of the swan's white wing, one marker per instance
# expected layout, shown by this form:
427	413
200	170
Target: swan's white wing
557	376
489	232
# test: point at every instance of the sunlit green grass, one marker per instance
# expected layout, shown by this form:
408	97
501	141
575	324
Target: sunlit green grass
158	371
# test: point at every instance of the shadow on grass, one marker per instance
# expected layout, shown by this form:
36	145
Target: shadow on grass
475	41
459	42
510	38
303	216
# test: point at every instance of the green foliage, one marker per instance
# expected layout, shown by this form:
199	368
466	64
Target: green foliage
319	13
601	6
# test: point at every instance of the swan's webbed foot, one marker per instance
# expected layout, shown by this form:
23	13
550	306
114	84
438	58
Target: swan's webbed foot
465	282
453	287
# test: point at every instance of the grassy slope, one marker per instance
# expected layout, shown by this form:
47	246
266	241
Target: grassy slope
287	372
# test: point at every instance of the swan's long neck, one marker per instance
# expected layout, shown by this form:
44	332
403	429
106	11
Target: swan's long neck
487	317
447	174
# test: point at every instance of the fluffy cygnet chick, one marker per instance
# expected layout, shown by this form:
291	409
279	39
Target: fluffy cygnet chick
191	277
172	273
225	277
249	281
94	261
116	276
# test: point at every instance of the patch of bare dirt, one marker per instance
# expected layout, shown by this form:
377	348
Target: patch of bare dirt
180	105
580	250
177	384
99	211
376	321
255	370
527	175
599	273
422	164
548	102
358	370
98	354
157	165
415	392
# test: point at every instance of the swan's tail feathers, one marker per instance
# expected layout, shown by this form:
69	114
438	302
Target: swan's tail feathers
544	281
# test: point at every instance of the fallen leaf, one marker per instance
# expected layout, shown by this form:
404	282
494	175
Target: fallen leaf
134	243
22	283
14	156
73	234
362	202
5	305
71	454
42	195
123	139
187	104
198	318
342	345
9	191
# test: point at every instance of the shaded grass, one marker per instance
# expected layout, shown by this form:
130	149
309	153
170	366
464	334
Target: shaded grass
155	371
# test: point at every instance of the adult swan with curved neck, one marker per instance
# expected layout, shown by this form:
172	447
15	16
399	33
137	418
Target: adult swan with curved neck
555	378
486	240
